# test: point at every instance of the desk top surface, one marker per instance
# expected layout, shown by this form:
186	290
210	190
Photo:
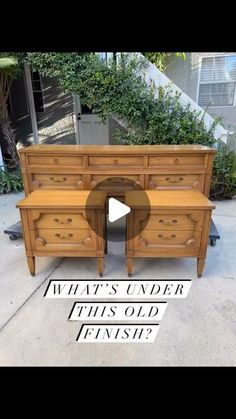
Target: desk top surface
169	199
63	199
117	149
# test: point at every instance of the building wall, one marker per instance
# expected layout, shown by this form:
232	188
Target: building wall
185	73
56	123
113	127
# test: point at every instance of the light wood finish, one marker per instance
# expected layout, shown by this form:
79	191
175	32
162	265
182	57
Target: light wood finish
31	265
80	167
179	220
178	225
172	170
56	181
55	223
63	199
169	200
182	160
111	183
117	149
114	161
51	160
177	181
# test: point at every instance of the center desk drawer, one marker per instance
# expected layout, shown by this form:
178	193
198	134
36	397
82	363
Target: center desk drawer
177	181
56	181
115	161
175	160
114	183
61	220
64	239
168	220
55	160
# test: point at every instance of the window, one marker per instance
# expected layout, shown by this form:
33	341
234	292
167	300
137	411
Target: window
217	81
37	91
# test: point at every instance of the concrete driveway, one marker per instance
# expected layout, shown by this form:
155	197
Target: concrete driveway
199	330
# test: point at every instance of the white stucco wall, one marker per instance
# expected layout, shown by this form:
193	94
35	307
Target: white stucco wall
185	73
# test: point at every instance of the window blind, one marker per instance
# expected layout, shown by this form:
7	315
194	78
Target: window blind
217	81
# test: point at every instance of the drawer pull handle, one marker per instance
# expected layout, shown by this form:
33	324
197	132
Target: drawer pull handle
173	236
56	161
58	180
64	237
68	221
115	161
168	179
176	161
168	223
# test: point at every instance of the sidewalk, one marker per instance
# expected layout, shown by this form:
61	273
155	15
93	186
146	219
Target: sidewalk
199	330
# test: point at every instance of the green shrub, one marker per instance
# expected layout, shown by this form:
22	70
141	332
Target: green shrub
10	182
223	185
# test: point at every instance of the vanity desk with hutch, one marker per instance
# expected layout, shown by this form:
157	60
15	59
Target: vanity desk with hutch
116	169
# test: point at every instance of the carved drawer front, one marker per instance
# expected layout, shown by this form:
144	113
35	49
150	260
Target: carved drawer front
114	183
196	160
154	239
64	239
61	220
169	220
56	181
176	181
55	160
115	161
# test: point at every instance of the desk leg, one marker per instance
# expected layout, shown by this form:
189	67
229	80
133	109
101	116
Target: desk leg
200	266
31	265
129	266
100	266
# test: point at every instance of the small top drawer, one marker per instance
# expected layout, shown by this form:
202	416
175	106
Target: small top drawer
55	160
177	160
115	161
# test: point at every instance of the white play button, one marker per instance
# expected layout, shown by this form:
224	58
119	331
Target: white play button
116	210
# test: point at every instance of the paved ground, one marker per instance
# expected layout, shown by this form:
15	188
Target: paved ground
200	330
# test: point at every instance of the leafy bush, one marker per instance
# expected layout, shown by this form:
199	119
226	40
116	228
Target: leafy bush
118	90
10	182
223	185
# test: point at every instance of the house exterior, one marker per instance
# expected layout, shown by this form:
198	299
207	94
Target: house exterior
40	112
210	80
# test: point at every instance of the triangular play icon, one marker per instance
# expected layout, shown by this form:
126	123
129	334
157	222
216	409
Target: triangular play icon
116	210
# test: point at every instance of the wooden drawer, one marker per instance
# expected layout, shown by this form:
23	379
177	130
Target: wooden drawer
114	183
154	239
168	220
177	160
56	181
64	239
61	220
176	181
54	160
115	161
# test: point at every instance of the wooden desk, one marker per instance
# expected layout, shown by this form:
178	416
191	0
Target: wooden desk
55	223
162	168
178	226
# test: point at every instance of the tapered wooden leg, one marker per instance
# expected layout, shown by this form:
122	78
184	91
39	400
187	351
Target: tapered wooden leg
31	265
129	266
200	266
100	266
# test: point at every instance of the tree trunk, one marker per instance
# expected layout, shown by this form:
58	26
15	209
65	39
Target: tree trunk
5	123
9	136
